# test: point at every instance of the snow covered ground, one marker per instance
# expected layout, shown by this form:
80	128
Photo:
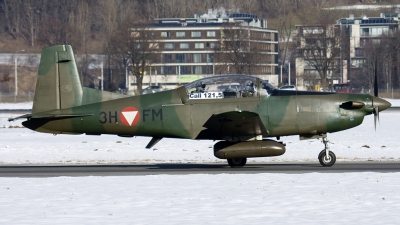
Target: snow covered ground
313	198
267	198
20	105
370	7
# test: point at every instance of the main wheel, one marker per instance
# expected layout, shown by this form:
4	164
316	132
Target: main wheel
237	162
327	161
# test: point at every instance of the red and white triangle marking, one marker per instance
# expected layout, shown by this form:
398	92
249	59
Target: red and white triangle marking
130	116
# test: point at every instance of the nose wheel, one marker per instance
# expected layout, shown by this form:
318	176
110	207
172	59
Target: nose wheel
326	158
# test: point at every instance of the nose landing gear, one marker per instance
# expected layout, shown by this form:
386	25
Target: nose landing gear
326	158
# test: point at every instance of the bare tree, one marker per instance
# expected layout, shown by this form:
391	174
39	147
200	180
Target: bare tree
392	44
284	12
12	13
248	6
134	45
381	54
321	50
320	44
30	22
372	56
236	52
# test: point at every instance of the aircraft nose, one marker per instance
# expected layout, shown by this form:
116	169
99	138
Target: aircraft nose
380	103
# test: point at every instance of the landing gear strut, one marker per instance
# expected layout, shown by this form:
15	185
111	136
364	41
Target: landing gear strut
237	162
326	158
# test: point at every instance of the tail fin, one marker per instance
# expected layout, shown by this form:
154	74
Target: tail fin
58	84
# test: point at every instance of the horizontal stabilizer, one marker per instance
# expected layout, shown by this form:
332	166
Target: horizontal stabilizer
49	116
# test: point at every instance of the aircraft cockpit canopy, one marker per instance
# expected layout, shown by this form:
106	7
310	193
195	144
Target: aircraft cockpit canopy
228	86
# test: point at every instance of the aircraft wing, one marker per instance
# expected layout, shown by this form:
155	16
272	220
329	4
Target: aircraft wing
235	124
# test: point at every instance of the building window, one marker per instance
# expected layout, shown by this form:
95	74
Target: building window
180	58
199	45
364	31
184	45
358	63
165	34
196	33
167	58
180	34
211	33
197	58
154	46
182	69
209	69
135	34
210	45
196	70
210	58
169	45
359	52
166	69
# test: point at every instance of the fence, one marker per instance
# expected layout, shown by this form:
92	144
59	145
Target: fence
5	97
388	93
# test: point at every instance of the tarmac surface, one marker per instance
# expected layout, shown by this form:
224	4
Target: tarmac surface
191	168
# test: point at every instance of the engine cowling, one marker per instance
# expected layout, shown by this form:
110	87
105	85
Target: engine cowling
248	149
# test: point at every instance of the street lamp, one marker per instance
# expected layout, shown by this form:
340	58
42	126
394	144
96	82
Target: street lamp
16	72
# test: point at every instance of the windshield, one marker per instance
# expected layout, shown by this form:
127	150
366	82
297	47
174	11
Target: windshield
228	86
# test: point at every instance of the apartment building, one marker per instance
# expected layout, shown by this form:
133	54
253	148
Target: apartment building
187	48
351	35
358	31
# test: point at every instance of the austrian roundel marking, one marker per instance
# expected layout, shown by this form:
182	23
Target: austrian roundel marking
130	116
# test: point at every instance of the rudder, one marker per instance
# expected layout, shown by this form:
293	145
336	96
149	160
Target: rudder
58	83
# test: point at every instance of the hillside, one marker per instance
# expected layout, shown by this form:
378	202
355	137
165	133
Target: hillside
88	25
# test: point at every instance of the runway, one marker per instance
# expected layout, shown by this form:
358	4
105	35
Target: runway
188	168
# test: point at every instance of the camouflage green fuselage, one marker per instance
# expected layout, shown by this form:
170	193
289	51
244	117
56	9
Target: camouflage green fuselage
172	114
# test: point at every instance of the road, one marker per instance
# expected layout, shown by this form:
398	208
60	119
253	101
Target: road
188	168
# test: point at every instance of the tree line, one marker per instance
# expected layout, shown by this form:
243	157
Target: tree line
48	22
95	26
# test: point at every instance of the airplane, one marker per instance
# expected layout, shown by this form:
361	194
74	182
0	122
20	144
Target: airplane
243	113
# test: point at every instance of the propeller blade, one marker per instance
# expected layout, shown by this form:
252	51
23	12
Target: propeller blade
377	113
376	79
376	116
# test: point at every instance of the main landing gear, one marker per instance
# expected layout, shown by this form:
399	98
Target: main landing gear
326	158
237	162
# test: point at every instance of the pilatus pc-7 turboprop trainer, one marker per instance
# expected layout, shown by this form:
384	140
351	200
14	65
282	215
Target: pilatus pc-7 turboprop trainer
243	112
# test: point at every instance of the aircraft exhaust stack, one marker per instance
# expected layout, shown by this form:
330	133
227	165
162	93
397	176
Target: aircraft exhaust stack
247	149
